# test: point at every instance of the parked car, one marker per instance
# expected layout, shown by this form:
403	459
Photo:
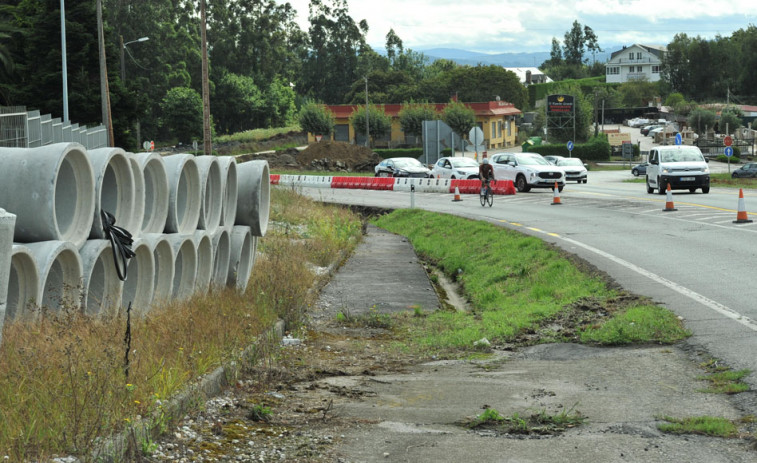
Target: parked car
401	167
574	168
455	167
639	169
552	159
748	170
527	170
645	130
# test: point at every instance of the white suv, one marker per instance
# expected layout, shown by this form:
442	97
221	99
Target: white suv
527	170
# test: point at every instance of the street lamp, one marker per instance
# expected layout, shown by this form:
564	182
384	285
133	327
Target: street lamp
123	48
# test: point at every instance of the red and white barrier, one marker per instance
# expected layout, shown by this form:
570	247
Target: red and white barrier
422	185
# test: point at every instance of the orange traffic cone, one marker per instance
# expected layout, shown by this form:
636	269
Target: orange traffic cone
669	200
741	216
556	199
457	194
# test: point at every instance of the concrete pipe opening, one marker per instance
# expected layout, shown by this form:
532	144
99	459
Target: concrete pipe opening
23	285
139	287
253	204
211	186
156	192
204	251
163	259
184	194
185	266
240	262
221	254
60	275
101	292
114	189
51	189
138	211
7	225
230	191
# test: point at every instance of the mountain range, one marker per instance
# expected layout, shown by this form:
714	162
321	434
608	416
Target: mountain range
464	57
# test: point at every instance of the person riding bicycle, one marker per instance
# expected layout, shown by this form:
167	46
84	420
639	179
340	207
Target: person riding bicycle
485	172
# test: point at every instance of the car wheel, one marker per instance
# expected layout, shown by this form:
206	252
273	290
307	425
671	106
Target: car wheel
586	180
521	184
650	190
706	189
661	188
560	188
635	172
692	190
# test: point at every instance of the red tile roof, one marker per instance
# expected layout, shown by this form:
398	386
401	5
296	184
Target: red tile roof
488	108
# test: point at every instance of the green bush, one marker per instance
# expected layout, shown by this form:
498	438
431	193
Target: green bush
400	153
596	149
723	158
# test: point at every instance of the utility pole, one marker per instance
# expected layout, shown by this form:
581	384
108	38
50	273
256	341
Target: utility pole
206	134
64	67
367	129
104	90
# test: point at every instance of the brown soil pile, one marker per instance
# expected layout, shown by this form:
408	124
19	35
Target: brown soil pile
332	156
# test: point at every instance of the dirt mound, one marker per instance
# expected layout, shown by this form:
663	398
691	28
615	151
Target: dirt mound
335	155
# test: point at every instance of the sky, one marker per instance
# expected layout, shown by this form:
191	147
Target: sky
507	26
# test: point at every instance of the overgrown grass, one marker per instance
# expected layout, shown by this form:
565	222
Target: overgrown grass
63	378
722	379
256	135
539	422
514	282
705	425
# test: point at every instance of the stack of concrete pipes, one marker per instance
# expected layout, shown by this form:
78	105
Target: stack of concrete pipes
195	222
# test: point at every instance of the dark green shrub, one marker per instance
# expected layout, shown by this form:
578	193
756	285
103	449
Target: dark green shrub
400	153
596	149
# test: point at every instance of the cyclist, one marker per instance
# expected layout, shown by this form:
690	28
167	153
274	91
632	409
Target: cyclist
485	172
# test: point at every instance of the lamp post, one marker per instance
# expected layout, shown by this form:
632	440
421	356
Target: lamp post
367	131
64	69
123	49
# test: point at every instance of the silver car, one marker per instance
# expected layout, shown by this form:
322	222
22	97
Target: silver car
527	170
455	167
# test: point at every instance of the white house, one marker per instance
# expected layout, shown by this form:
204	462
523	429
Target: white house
530	75
634	63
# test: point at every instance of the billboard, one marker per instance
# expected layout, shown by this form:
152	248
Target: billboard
562	104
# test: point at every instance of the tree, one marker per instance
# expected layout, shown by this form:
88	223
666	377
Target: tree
412	116
243	107
592	42
379	124
701	119
316	119
675	70
394	47
730	120
460	118
574	42
182	114
637	93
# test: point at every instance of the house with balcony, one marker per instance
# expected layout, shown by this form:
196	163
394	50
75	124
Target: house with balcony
637	62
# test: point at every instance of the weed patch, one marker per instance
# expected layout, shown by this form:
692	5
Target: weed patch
723	380
536	423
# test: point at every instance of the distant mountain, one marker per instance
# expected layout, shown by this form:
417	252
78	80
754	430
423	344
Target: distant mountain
507	60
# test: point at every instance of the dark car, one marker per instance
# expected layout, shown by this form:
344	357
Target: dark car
748	170
639	169
402	167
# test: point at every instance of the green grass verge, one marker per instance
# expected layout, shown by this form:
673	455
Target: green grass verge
256	135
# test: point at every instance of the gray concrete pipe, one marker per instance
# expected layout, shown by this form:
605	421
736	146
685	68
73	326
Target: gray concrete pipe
138	212
240	262
184	194
60	274
7	225
230	191
101	287
23	285
204	250
156	192
139	287
163	259
51	189
185	266
253	203
114	189
211	192
221	253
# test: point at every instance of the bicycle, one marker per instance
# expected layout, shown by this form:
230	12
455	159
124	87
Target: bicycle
486	195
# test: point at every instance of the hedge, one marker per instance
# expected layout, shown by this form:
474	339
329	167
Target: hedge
399	153
596	149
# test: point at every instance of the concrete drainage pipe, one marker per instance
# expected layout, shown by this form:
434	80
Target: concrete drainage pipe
185	266
221	254
230	191
7	225
23	285
253	204
101	292
138	213
184	194
114	189
163	259
156	192
240	262
204	250
51	190
139	287
60	274
211	192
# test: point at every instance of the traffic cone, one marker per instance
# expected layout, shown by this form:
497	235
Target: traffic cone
556	199
457	194
669	200
741	216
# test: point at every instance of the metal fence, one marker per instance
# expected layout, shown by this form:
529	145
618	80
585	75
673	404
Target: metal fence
20	128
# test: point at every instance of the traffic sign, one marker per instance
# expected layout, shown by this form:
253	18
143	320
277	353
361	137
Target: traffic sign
679	139
728	141
570	146
152	146
728	151
318	138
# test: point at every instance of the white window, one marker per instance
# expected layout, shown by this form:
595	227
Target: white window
630	56
639	69
612	70
655	69
638	55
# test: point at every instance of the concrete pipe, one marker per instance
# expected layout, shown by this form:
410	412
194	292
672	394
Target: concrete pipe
101	286
7	225
184	194
156	192
114	189
60	274
230	191
23	285
163	258
185	266
138	212
139	287
51	189
253	203
211	192
204	250
240	262
221	254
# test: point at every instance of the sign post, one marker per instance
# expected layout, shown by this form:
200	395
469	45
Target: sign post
570	149
728	141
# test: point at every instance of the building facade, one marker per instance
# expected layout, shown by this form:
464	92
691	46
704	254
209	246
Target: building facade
637	62
495	118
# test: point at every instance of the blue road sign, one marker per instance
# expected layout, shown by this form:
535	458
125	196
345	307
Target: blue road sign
679	139
570	146
729	151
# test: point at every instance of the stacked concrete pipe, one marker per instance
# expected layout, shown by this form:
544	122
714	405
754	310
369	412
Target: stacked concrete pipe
253	202
101	291
23	284
7	224
230	191
139	286
204	252
184	195
114	189
60	274
211	192
163	260
240	260
156	191
140	198
185	266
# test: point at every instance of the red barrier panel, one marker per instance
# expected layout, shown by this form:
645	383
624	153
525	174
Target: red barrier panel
503	187
274	178
339	182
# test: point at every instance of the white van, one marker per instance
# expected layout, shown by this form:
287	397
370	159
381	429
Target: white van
681	166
